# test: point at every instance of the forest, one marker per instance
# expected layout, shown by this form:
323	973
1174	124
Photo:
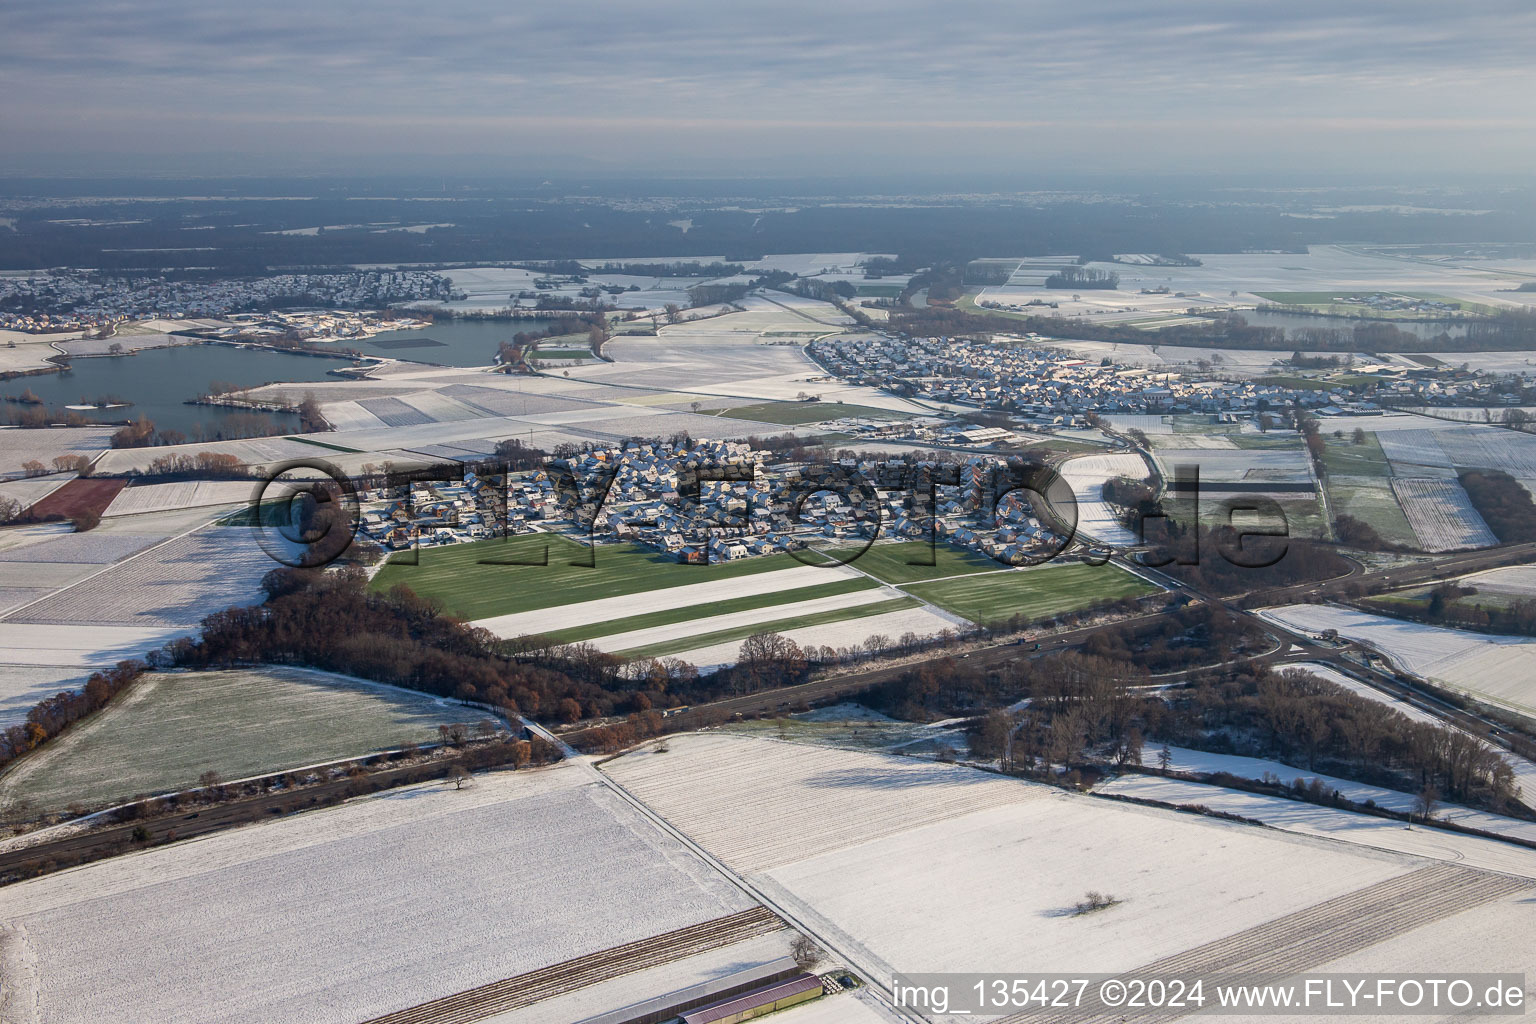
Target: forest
1084	707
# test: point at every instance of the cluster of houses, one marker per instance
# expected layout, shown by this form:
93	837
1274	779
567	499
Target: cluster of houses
59	300
1053	389
670	496
1045	386
326	325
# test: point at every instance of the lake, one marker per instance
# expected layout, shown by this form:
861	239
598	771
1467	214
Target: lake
160	381
449	342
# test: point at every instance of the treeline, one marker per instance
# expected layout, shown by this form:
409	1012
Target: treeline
142	432
202	466
1300	718
1083	277
37	417
681	268
1084	708
514	352
53	715
330	621
1450	604
1509	332
1503	503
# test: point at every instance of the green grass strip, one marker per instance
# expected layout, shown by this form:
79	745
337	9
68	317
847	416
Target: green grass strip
777	626
649	620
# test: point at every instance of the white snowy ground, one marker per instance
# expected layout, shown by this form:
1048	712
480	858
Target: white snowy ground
1515	580
849	633
1203	762
1096	518
686	596
376	905
932	867
136	500
1441	514
22	686
1331	823
82	646
1499	668
635	638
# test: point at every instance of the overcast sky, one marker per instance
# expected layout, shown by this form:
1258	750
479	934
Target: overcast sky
1400	87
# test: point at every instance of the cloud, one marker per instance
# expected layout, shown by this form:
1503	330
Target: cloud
473	74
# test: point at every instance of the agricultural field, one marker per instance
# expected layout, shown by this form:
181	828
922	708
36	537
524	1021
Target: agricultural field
1360	485
377	867
1035	593
1096	518
456	575
1500	669
94	548
80	645
1201	762
914	560
169	728
769	602
1330	823
22	686
174	584
917	865
27	491
838	634
795	413
1517	581
718	630
704	780
1441	514
79	497
856	727
18	445
142	498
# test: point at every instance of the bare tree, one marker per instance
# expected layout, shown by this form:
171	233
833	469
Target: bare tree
1426	802
458	776
807	955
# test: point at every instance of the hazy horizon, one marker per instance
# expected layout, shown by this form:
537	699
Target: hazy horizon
796	90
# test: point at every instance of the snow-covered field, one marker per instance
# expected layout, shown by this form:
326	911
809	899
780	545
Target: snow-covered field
996	887
710	623
85	646
22	686
30	490
1246	465
545	620
134	500
804	800
850	633
1332	823
378	904
18	445
80	548
1515	580
175	584
1201	762
1441	514
907	866
1499	668
1096	518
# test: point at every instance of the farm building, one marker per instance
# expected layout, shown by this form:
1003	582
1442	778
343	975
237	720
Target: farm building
800	989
